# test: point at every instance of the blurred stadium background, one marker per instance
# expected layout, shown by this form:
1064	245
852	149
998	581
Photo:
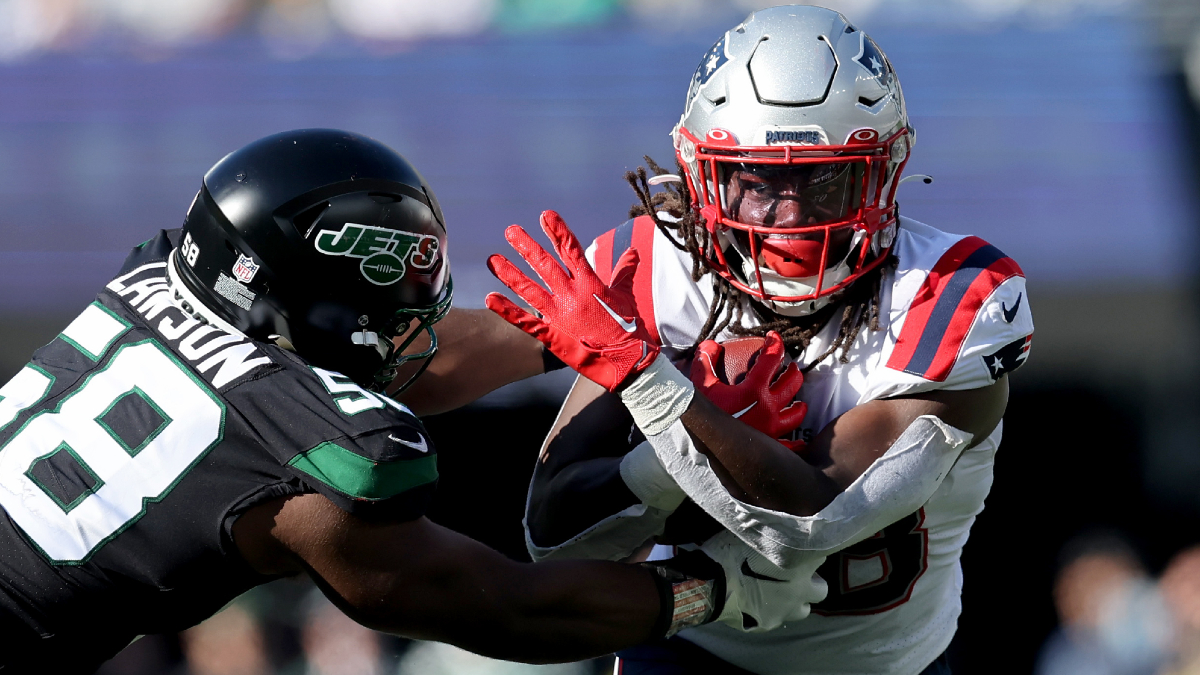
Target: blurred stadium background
1066	132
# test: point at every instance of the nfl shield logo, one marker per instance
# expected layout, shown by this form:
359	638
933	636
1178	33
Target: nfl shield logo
244	269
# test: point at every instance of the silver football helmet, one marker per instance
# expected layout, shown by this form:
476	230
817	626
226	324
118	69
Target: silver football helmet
792	140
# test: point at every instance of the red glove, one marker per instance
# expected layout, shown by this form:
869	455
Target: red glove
762	400
593	328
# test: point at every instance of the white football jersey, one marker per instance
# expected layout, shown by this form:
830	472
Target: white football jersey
954	315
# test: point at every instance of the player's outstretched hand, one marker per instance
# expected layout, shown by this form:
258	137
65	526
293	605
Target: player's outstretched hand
593	327
765	398
759	595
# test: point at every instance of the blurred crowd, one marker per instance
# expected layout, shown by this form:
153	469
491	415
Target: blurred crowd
289	628
297	28
1116	619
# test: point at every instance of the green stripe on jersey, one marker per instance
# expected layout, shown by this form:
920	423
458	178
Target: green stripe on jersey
362	478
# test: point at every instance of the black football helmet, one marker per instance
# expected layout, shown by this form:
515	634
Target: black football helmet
326	238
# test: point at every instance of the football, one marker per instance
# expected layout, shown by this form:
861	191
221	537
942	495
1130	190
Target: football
737	355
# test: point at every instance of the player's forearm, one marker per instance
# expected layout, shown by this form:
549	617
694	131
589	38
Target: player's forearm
478	352
567	611
543	613
420	580
563	505
755	468
576	482
751	466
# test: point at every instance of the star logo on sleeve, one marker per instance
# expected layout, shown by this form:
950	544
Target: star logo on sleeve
1008	358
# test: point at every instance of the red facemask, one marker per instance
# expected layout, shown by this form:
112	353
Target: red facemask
793	209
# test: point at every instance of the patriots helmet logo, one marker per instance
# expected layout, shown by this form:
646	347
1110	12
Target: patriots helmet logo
713	59
871	58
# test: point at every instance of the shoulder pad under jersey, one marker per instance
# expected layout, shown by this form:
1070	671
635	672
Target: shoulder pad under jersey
364	451
154	249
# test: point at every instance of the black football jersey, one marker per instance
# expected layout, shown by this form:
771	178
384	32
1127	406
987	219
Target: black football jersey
131	443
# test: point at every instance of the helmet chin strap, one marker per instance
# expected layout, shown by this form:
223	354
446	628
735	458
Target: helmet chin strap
833	275
369	338
189	303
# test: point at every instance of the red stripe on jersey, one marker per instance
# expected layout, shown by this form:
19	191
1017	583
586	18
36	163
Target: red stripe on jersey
923	302
643	277
638	233
604	256
944	308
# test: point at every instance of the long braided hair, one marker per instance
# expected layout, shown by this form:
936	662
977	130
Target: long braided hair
859	303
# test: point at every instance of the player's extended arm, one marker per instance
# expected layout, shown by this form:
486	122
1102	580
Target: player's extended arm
478	352
423	581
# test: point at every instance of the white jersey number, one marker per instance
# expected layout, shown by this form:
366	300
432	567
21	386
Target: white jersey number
74	477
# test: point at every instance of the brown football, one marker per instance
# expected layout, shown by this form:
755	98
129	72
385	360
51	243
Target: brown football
739	354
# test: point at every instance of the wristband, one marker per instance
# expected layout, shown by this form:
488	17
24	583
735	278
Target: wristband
550	362
658	396
691	591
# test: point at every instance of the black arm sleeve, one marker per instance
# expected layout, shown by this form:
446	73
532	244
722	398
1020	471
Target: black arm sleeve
578	482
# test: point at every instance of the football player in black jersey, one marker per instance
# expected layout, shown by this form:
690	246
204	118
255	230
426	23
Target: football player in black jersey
211	422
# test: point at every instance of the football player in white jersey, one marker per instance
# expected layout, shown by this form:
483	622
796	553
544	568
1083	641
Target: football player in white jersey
783	224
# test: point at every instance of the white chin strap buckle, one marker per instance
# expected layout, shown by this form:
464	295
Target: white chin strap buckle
370	338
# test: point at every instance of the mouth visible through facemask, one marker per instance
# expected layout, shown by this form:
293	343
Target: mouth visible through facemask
791	256
790	268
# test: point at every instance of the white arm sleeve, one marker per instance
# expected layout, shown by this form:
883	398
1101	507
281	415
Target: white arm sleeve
895	485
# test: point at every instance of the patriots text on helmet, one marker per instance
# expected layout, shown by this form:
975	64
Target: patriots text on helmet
386	254
810	137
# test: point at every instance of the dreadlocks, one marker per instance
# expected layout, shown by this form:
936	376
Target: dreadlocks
858	304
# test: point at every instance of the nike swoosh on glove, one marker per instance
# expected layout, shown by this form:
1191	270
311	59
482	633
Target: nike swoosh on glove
592	327
766	401
759	595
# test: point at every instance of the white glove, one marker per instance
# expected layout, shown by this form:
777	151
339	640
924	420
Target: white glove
759	595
